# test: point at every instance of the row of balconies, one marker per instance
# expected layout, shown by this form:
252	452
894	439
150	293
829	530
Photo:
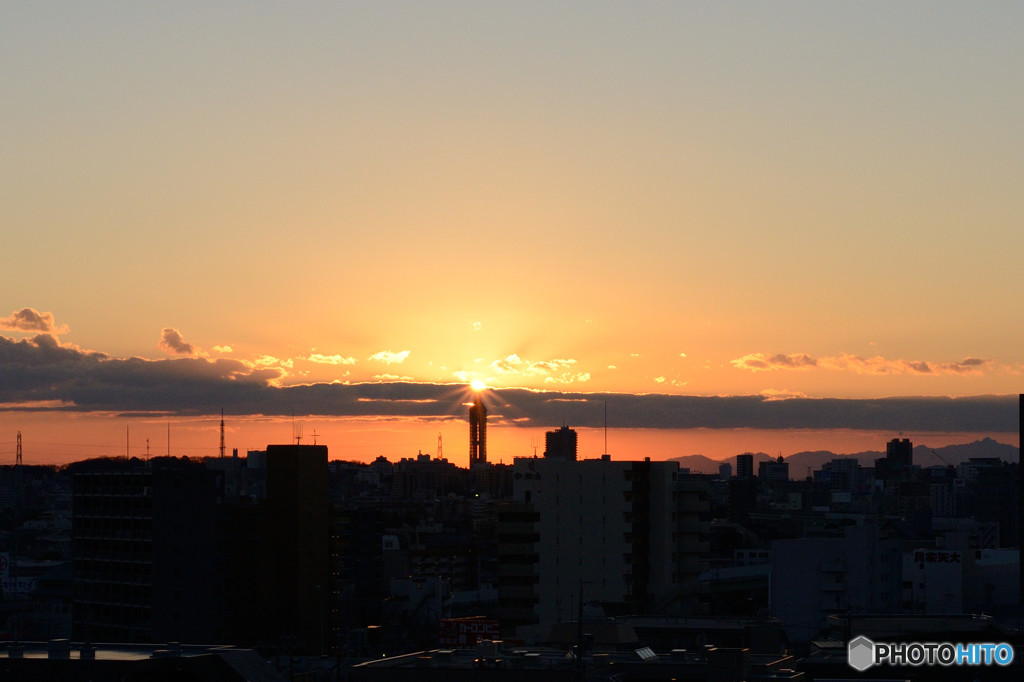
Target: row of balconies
106	547
119	514
118	557
102	534
85	605
104	498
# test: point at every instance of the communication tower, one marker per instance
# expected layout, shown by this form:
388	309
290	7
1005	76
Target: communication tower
477	432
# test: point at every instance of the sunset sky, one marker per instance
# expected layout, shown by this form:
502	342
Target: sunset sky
264	206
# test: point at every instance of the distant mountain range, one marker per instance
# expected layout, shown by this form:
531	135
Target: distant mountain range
801	463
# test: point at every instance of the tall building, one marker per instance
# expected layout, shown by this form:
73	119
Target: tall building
859	571
745	465
162	552
477	432
295	583
623	534
897	463
773	470
901	451
560	443
147	541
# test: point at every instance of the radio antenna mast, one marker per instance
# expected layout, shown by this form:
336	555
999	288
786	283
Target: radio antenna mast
606	427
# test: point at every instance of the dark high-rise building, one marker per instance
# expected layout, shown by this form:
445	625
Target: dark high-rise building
560	443
900	451
160	553
745	465
147	540
477	432
295	582
773	470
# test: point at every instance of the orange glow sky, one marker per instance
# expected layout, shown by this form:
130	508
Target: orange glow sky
814	200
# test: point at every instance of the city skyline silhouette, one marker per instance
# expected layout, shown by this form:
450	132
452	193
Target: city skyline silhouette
692	201
459	340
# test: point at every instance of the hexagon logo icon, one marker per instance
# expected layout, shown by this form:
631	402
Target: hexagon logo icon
860	653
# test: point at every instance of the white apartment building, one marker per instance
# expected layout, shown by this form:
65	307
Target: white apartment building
622	534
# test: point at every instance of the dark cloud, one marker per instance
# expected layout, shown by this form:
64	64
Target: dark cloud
171	341
31	320
760	362
793	361
43	371
879	366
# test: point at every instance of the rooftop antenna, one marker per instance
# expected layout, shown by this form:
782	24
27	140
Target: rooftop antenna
314	436
440	450
606	427
168	439
222	432
297	431
127	440
147	448
17	460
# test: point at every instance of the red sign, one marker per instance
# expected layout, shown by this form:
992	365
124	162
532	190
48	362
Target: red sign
462	633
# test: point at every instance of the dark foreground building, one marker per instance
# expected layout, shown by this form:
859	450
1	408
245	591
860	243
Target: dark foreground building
146	545
161	554
295	541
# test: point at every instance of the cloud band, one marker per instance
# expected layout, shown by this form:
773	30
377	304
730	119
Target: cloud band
42	371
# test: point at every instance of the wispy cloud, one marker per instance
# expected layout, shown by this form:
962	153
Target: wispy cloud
568	378
31	320
513	364
390	377
173	343
781	394
510	364
330	359
390	358
223	349
271	361
877	365
554	371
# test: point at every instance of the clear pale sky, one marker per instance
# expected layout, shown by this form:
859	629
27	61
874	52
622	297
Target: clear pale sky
794	199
